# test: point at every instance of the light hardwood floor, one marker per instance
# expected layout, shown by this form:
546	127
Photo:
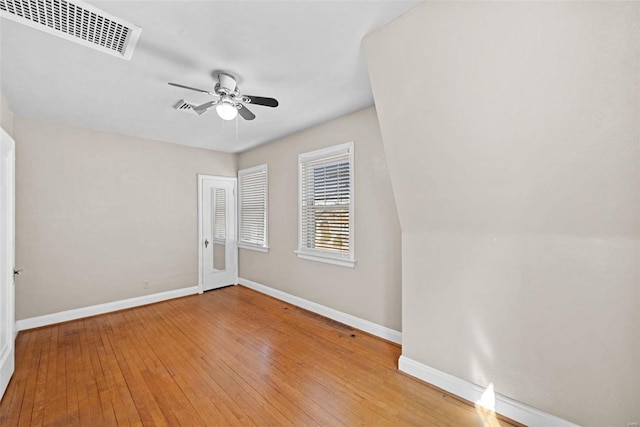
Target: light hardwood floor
227	357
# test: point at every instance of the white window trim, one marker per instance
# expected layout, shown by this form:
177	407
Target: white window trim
259	248
344	260
254	247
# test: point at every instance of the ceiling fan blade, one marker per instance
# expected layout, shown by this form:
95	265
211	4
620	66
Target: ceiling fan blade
245	113
192	88
204	107
260	100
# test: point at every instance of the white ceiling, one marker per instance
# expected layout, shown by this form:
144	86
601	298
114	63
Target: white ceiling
308	55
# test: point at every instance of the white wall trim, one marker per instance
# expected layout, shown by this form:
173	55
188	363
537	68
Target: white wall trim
78	313
505	406
347	319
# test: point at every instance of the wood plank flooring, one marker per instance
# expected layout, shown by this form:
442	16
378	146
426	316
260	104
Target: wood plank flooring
227	357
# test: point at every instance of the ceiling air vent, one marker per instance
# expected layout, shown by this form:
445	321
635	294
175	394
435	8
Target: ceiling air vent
187	107
76	21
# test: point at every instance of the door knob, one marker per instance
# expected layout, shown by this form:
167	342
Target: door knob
206	243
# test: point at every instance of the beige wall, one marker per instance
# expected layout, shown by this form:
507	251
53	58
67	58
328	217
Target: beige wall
99	214
512	136
371	290
6	116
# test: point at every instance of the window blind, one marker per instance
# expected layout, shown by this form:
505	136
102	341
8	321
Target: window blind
326	202
253	206
219	200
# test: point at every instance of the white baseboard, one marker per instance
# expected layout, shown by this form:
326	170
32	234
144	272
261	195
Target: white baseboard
78	313
356	322
505	406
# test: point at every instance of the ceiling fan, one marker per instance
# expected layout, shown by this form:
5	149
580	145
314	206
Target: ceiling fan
230	101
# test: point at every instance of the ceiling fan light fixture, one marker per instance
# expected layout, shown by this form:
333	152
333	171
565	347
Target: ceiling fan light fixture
226	111
230	102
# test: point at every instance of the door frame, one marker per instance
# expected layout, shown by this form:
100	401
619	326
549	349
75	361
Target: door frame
234	180
7	263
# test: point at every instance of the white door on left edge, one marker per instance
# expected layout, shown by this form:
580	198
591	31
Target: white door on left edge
218	251
7	245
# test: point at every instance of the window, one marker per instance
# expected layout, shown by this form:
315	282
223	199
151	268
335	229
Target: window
219	201
253	206
325	182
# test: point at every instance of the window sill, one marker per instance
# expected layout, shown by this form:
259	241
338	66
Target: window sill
343	262
253	248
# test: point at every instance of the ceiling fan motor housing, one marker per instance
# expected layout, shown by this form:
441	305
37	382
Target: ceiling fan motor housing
228	82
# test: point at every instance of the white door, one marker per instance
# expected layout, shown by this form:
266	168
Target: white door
218	250
7	248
